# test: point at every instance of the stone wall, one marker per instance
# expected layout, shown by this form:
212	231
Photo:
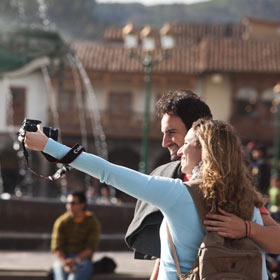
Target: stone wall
27	224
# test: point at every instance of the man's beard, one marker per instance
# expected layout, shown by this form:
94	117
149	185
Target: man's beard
173	152
174	157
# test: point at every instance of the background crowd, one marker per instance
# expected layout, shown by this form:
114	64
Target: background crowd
269	185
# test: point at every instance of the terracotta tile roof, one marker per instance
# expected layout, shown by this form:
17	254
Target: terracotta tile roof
185	33
249	20
108	58
225	55
231	55
196	32
114	33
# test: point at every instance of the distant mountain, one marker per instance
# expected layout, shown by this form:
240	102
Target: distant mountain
87	19
212	11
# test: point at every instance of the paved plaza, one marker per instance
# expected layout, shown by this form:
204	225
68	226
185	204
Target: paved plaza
16	260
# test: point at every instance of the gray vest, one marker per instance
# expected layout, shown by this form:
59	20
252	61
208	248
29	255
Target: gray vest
142	235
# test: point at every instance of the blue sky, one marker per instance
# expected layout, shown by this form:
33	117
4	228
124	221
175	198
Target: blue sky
153	2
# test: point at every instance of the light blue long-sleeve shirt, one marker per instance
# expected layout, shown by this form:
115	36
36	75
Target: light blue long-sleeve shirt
169	195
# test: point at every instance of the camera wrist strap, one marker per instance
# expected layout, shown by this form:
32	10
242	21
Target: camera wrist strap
75	151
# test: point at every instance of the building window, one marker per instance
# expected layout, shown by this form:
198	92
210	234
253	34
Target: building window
267	99
16	111
246	101
120	103
66	100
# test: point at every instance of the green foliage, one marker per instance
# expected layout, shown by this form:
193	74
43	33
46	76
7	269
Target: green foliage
20	46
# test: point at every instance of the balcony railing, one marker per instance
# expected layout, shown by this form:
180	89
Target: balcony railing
126	125
258	129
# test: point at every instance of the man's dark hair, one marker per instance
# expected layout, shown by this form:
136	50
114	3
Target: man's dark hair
185	104
81	196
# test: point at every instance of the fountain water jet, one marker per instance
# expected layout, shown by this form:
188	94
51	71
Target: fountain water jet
48	44
79	100
97	130
52	97
43	13
82	113
99	135
12	129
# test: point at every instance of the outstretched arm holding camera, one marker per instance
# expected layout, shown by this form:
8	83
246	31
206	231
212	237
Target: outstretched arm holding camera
130	181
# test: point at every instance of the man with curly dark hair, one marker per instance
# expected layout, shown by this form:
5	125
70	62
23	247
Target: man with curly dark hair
178	109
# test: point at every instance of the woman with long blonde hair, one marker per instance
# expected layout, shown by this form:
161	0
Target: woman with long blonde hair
226	182
211	152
